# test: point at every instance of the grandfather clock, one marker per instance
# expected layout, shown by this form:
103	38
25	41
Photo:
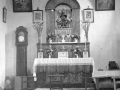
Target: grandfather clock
21	51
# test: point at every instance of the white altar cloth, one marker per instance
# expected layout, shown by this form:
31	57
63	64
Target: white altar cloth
62	61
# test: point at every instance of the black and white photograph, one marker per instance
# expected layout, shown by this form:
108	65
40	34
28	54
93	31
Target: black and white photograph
60	45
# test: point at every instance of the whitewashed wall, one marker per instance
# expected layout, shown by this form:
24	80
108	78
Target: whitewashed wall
3	29
103	34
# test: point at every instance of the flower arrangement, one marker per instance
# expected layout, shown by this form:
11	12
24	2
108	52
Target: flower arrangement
85	26
78	52
73	37
49	52
50	37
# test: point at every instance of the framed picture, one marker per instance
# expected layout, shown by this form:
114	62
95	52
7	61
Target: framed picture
22	5
88	15
37	15
103	5
4	15
62	54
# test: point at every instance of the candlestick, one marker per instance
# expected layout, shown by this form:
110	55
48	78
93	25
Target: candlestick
63	38
76	55
85	41
41	42
38	26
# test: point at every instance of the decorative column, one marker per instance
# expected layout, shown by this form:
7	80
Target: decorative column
88	16
38	26
85	26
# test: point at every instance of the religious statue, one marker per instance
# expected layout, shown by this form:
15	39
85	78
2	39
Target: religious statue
63	21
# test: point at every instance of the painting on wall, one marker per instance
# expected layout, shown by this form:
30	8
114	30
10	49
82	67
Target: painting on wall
22	5
4	14
37	16
104	5
88	15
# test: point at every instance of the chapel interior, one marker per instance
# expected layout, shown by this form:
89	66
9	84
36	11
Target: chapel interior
73	43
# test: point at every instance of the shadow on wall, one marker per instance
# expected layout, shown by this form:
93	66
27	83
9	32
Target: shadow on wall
29	72
1	88
9	83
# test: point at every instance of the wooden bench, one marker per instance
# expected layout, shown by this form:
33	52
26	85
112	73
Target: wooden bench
56	81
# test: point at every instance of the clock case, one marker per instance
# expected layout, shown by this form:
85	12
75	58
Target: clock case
24	31
21	51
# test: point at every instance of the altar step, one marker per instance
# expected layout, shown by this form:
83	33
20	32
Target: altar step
76	89
65	89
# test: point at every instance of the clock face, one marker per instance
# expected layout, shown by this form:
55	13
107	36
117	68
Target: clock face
21	38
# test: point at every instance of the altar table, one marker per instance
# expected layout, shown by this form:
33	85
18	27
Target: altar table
73	70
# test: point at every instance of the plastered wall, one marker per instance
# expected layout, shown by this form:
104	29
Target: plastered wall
104	34
3	29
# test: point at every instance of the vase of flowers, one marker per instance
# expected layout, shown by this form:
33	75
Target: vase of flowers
75	38
49	52
78	52
50	38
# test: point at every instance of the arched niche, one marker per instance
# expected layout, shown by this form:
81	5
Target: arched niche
51	15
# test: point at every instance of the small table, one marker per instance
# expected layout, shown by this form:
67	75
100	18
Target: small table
114	74
115	82
57	81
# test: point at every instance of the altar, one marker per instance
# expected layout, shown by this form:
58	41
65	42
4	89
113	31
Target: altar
63	52
73	69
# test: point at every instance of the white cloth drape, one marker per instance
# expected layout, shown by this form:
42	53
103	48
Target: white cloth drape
62	61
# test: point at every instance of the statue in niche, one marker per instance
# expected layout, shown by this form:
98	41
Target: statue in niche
62	20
